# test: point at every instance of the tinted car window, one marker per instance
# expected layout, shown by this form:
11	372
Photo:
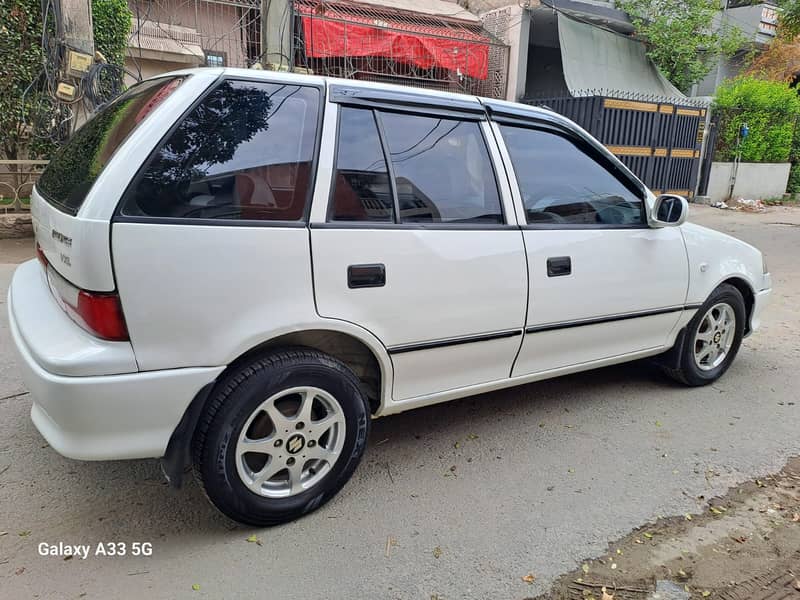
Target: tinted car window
561	184
442	170
361	186
245	152
77	165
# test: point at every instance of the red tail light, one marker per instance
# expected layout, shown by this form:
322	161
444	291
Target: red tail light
98	313
102	315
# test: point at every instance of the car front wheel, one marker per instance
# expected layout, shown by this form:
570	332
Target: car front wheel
712	338
281	436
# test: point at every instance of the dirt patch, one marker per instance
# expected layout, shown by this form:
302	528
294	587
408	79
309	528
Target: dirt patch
741	546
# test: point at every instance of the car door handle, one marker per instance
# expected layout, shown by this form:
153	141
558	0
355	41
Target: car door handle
558	266
363	276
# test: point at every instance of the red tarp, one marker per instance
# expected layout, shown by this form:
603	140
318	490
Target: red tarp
426	46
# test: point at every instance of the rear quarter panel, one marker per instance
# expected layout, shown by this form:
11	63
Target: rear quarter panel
202	295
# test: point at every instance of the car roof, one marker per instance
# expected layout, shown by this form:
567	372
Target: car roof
503	106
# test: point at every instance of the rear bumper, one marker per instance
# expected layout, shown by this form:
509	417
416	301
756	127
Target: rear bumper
94	417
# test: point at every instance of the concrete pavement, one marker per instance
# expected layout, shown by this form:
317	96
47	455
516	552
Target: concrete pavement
527	480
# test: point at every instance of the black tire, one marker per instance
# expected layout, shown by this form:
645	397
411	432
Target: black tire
233	402
688	372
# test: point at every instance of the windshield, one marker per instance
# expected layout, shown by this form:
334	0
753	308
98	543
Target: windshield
76	166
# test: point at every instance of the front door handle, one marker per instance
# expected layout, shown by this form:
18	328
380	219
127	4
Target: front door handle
363	276
558	266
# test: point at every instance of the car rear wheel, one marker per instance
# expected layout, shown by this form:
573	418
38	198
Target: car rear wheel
281	436
712	338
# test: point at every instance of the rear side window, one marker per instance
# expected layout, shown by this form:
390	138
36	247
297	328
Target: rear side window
442	170
76	166
244	152
563	185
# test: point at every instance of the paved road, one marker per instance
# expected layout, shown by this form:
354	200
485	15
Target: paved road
544	476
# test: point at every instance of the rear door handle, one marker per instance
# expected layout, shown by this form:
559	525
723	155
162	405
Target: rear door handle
558	266
363	276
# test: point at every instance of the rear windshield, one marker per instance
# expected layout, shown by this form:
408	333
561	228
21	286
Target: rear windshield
75	167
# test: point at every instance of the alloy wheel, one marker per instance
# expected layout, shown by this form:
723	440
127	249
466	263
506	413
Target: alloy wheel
290	442
714	337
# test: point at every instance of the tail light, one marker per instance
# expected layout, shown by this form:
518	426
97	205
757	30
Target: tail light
98	313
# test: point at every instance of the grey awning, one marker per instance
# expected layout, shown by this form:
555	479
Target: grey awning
597	61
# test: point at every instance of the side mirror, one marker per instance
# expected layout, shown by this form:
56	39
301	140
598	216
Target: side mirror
670	210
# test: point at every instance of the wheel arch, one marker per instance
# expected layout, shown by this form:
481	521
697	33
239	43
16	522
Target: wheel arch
356	348
748	294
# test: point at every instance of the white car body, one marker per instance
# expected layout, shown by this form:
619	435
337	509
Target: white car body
464	310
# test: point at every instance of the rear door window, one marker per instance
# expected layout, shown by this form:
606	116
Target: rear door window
245	152
442	170
76	166
362	191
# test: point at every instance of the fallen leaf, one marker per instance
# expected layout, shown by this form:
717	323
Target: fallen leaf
195	587
529	578
19	571
457	445
797	584
619	552
688	517
613	566
24	533
254	540
68	557
741	539
795	519
682	573
606	595
472	436
658	423
585	567
2	533
541	424
570	470
705	594
638	541
759	483
437	552
648	535
715	510
687	589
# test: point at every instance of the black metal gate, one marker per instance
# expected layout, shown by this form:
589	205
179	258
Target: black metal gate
658	139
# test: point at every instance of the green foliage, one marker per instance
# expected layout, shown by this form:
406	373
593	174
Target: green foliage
769	108
789	19
21	49
111	23
679	37
793	185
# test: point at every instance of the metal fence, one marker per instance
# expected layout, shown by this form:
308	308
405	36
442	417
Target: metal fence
16	183
413	49
659	139
228	32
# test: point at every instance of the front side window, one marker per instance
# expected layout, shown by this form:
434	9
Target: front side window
442	170
245	152
562	184
71	173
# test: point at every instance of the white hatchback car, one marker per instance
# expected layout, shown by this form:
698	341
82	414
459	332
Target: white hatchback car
238	269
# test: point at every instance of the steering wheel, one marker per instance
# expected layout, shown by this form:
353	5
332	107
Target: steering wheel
615	214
